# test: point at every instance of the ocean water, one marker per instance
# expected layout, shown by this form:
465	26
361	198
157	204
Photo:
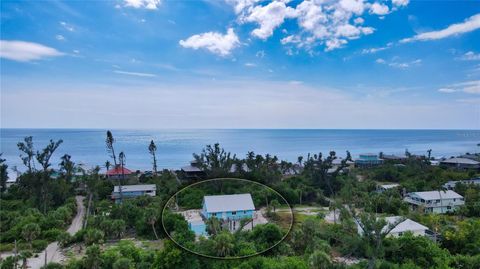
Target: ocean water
175	147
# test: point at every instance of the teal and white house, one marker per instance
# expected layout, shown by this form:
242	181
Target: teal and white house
228	207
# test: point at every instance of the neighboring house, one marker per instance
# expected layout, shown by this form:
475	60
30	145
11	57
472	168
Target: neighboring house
192	171
12	177
243	168
461	163
118	172
228	207
132	191
392	157
435	201
451	184
385	187
368	160
401	226
337	162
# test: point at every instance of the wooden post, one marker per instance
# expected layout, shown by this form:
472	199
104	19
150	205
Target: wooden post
15	254
45	257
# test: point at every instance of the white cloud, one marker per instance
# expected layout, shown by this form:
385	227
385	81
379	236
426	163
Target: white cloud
399	3
447	90
470	56
147	4
396	64
269	17
25	51
213	41
374	50
379	9
250	65
137	74
470	87
328	23
470	24
260	54
67	26
60	37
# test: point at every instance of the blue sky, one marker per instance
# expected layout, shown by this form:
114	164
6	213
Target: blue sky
240	64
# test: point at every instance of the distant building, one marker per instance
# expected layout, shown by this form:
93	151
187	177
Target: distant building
393	157
451	184
435	201
132	191
118	172
235	168
368	160
12	177
228	207
192	171
385	187
461	163
337	162
401	226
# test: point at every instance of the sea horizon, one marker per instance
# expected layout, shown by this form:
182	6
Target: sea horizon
176	146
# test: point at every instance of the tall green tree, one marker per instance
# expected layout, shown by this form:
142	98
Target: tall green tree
27	147
67	167
43	157
3	174
152	148
111	150
30	232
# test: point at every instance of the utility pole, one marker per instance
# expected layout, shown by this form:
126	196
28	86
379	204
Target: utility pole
45	258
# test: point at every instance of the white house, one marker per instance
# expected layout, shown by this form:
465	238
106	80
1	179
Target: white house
435	201
132	191
401	226
451	184
385	187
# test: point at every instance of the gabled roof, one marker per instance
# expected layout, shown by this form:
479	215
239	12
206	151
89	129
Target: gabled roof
401	225
232	202
118	171
404	226
437	195
190	168
129	188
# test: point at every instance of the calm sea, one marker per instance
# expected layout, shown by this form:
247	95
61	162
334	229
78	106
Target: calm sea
175	147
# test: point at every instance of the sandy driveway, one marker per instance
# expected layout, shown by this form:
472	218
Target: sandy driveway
53	250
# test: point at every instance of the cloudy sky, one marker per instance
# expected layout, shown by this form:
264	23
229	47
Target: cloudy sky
240	64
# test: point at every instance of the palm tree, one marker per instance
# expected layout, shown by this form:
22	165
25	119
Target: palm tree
151	216
24	255
67	166
274	204
152	148
92	258
224	244
319	260
107	165
30	232
110	141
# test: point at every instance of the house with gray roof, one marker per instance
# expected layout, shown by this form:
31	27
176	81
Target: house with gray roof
228	207
461	163
132	191
435	201
450	185
400	226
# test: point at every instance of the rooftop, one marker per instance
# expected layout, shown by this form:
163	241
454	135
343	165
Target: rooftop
130	188
461	161
436	195
118	171
232	202
405	225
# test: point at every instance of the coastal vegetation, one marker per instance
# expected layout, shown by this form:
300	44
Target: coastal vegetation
335	198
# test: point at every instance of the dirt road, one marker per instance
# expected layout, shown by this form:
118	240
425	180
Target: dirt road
53	250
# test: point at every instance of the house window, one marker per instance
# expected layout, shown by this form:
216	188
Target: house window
437	201
449	207
244	211
234	212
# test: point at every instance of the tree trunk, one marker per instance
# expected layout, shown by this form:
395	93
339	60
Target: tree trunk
154	230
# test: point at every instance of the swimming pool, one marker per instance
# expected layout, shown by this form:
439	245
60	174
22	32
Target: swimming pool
198	227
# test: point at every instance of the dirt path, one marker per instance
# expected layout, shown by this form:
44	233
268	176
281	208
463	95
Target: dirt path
53	249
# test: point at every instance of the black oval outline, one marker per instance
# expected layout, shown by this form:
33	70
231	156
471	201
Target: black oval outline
229	258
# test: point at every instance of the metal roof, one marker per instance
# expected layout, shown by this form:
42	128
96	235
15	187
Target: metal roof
232	202
129	188
461	161
404	226
190	168
437	195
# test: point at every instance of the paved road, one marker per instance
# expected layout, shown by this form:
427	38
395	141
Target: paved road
53	250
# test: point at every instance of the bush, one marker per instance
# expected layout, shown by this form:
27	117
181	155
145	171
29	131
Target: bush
51	234
39	245
6	247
